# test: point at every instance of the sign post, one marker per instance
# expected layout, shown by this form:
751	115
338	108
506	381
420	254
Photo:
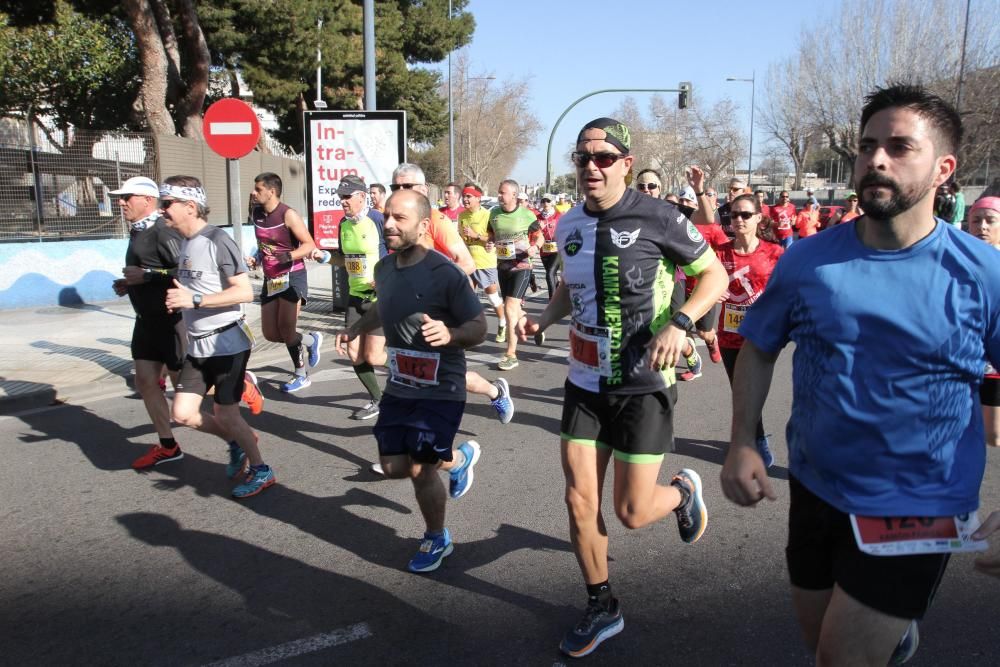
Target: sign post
232	130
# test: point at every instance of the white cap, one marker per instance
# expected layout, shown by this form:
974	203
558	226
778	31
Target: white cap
522	195
139	185
687	192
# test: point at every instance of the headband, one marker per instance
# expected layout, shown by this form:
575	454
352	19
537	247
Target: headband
986	202
187	193
472	191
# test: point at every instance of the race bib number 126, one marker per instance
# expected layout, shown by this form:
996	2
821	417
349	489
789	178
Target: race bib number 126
910	535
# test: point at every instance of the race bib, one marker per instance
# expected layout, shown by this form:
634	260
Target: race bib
413	368
356	265
733	317
505	250
590	348
245	328
911	535
277	285
550	247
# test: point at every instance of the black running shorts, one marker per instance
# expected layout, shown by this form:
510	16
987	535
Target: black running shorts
513	283
423	429
157	340
822	552
356	308
989	392
638	427
225	373
297	290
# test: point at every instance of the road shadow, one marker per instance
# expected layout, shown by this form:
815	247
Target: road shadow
714	451
113	364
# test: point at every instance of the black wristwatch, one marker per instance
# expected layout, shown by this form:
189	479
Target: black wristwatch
699	194
196	298
682	322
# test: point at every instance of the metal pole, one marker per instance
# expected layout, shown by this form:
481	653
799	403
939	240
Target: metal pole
319	103
235	207
369	20
753	91
961	63
451	117
37	177
548	151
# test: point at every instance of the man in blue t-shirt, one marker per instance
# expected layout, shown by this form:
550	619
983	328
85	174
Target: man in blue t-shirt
892	315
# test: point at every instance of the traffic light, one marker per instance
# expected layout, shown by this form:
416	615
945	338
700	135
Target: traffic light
684	94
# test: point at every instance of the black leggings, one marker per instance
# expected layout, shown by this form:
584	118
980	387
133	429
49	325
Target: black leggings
729	361
551	264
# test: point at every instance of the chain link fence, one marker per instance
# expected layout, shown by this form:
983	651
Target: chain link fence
55	184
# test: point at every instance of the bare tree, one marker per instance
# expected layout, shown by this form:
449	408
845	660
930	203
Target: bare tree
784	114
717	143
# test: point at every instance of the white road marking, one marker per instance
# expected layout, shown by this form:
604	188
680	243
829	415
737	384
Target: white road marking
296	648
229	128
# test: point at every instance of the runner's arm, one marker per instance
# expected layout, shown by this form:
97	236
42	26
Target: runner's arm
558	308
369	322
704	215
462	257
239	291
712	282
298	229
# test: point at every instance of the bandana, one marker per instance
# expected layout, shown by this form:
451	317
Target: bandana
986	202
197	195
472	192
144	224
618	134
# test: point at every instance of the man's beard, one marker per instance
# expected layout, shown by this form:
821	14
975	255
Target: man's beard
900	201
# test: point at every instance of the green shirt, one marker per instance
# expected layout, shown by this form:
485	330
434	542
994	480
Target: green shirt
359	243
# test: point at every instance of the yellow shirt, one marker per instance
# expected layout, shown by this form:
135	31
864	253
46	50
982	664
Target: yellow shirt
562	208
478	221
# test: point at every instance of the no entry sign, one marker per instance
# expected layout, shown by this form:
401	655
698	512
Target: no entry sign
231	128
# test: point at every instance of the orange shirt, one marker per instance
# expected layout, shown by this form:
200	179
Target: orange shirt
807	222
442	234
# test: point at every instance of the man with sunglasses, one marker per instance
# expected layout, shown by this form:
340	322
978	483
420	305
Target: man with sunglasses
619	251
158	336
783	216
648	182
737	187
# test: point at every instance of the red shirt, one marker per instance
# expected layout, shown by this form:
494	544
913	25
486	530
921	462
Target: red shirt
548	228
807	222
765	210
748	275
451	213
714	234
783	217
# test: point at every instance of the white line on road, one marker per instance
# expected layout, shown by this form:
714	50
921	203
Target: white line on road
229	128
296	648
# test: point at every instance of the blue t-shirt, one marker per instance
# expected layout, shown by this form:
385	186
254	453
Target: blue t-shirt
889	352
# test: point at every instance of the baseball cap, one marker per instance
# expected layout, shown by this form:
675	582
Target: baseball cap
138	185
687	192
522	195
548	196
350	184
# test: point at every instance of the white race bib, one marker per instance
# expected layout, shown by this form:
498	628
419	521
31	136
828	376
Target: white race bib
590	348
733	317
277	285
505	250
413	368
356	265
911	535
550	247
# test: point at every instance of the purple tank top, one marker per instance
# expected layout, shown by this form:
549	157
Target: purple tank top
273	237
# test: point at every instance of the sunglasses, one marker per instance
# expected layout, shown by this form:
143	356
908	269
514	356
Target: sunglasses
710	194
167	203
603	160
646	186
743	215
404	186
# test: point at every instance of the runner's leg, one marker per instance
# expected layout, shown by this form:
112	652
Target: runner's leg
854	634
147	377
639	500
584	468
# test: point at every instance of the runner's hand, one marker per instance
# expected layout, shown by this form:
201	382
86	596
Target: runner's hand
666	347
179	298
526	327
744	478
989	563
120	287
134	275
435	332
695	177
251	262
343	337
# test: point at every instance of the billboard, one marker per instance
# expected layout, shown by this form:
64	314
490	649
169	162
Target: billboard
369	144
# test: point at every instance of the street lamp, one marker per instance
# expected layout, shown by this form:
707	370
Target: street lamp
319	103
753	89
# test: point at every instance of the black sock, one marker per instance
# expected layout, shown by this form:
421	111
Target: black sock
168	443
295	351
366	373
600	594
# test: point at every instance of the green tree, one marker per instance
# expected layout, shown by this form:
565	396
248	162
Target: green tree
565	183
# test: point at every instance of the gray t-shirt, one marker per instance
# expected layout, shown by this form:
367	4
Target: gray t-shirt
206	263
437	287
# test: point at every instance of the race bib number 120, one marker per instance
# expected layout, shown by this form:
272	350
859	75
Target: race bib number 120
911	535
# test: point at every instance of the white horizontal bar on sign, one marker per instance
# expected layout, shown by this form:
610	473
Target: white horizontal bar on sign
229	128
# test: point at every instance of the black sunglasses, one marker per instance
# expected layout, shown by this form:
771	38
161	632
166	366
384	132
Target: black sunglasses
710	194
405	186
603	160
646	186
743	215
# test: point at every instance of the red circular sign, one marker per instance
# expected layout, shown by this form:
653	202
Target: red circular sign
231	128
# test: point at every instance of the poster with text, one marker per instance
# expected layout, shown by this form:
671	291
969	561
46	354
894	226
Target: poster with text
369	144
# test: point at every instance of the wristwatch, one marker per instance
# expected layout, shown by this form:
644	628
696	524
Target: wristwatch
682	322
196	298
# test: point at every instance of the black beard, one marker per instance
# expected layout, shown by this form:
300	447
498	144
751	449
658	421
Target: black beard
886	209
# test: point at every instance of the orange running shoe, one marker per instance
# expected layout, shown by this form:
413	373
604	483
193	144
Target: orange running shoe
157	455
251	394
714	353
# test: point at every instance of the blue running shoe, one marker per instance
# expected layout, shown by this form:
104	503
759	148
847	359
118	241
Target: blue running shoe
296	383
461	478
596	625
692	515
764	449
432	551
503	403
907	645
237	461
257	480
314	349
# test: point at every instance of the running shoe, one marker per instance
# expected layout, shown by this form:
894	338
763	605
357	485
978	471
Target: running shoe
692	515
507	363
377	469
460	479
156	455
764	449
432	551
369	410
257	480
501	336
907	645
714	353
237	460
251	394
297	382
314	351
596	625
693	363
539	338
503	403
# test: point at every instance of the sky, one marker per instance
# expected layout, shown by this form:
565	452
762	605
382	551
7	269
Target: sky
568	48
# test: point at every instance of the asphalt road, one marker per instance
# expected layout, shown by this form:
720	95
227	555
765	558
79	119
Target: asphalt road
104	566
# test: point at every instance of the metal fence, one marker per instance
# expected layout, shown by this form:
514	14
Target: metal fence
54	184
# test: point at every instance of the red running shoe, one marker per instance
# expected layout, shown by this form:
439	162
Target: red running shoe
251	394
157	455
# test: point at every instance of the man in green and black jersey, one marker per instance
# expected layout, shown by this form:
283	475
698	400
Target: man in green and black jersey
619	253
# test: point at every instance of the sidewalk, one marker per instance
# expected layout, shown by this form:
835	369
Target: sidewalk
69	354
